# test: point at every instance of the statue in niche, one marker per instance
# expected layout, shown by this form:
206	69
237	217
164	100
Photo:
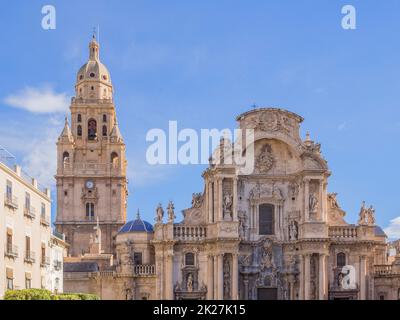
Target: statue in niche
266	258
171	212
293	190
189	284
227	278
313	202
242	224
293	230
159	214
265	159
227	205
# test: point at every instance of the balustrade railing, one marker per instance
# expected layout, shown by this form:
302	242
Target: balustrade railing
190	233
344	232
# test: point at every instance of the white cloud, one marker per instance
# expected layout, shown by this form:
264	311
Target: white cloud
35	145
393	230
38	100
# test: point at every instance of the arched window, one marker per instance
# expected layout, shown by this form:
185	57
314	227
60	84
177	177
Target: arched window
66	159
189	259
92	129
79	115
90	211
79	131
104	118
340	260
114	159
104	131
266	219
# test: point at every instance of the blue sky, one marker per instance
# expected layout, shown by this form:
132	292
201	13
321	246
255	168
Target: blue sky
204	62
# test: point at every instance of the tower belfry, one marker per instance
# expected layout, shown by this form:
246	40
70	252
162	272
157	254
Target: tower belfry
91	163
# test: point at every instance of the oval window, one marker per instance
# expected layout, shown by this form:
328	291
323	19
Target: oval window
104	77
92	75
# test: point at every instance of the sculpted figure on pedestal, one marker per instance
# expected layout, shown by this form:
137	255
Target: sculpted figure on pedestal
159	214
313	202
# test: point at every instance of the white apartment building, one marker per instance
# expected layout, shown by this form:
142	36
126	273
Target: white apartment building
25	230
55	270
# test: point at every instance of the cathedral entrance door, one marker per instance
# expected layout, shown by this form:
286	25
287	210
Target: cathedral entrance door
267	294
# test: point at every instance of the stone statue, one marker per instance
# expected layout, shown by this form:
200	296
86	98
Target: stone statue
333	201
227	204
362	221
293	230
189	285
159	214
242	224
171	212
367	216
371	216
197	199
265	159
313	202
266	258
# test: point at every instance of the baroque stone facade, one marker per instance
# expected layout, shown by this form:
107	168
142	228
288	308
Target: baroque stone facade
274	233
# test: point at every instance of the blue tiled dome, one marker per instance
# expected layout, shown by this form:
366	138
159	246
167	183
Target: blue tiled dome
137	225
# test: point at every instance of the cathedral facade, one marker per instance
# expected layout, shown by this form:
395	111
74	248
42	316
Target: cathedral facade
274	233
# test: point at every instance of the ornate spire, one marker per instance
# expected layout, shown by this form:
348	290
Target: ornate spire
94	49
138	215
66	134
115	134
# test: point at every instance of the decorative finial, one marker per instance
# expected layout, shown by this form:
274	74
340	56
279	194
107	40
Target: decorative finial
94	33
308	136
254	106
138	215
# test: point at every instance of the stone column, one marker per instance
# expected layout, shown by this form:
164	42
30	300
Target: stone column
307	199
301	278
246	289
325	201
363	272
307	277
215	274
210	278
291	288
169	294
322	277
321	201
220	212
220	281
235	277
234	204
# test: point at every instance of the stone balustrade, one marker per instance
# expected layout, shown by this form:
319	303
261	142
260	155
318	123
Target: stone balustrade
384	270
343	232
190	233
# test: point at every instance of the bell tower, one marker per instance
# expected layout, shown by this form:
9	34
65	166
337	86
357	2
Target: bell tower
91	163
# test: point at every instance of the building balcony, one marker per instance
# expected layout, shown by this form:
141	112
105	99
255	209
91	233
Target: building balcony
11	251
29	257
190	233
30	212
44	262
10	201
57	265
343	233
144	270
44	220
